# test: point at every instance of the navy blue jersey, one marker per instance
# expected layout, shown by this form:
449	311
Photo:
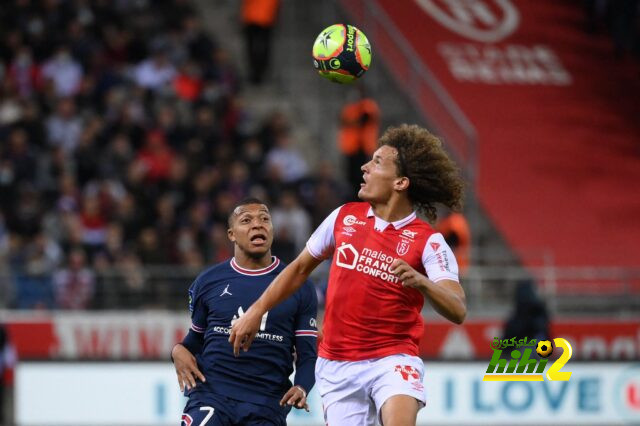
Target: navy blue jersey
219	296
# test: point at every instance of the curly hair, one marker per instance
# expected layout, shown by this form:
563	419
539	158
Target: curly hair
433	176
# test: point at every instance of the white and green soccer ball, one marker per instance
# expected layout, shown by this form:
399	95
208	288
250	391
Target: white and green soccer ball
341	53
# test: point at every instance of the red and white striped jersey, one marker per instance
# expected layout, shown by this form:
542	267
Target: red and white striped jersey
368	313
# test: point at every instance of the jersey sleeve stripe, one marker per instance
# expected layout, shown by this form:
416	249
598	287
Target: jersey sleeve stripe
450	278
312	253
312	333
197	329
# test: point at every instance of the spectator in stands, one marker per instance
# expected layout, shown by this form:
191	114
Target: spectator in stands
155	72
454	228
150	250
188	83
155	158
74	284
63	72
530	317
284	162
94	224
99	152
7	364
258	19
20	157
24	72
64	128
358	134
34	265
291	224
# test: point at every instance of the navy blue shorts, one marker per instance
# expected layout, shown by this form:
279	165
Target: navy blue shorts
222	411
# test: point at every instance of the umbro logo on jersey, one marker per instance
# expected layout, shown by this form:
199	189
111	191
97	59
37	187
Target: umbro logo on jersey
435	246
226	291
352	220
348	231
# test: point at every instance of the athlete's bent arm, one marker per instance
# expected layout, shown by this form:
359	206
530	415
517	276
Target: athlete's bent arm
284	285
446	296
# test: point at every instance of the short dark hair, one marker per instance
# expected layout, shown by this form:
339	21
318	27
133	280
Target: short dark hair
244	202
433	176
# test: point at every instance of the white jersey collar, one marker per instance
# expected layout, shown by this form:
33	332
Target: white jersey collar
244	271
382	224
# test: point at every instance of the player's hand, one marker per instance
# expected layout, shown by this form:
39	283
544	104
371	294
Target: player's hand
408	276
186	367
244	330
295	396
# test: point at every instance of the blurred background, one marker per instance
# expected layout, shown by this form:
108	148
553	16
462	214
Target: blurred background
129	128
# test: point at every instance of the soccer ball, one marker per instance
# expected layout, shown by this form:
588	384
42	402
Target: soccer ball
544	348
341	53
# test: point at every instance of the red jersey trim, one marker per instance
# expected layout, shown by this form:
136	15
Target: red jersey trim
253	272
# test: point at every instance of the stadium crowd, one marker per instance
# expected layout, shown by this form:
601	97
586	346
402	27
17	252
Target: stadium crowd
124	142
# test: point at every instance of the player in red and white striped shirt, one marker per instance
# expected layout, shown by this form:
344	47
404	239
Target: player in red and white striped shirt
384	262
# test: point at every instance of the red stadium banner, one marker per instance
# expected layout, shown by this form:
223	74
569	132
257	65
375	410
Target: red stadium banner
96	336
555	115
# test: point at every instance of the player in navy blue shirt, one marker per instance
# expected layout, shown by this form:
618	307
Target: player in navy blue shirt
254	388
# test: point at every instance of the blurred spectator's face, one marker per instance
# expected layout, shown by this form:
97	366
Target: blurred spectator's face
160	60
66	108
91	206
193	259
156	142
198	215
121	145
190	24
67	184
167	117
18	141
149	238
63	55
185	240
114	237
77	259
165	207
127	206
251	230
252	149
30	111
288	201
239	172
205	116
325	170
23	58
225	203
101	262
283	141
218	235
179	170
202	183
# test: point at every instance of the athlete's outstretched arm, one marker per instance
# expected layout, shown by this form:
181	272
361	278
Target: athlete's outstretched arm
284	285
446	296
